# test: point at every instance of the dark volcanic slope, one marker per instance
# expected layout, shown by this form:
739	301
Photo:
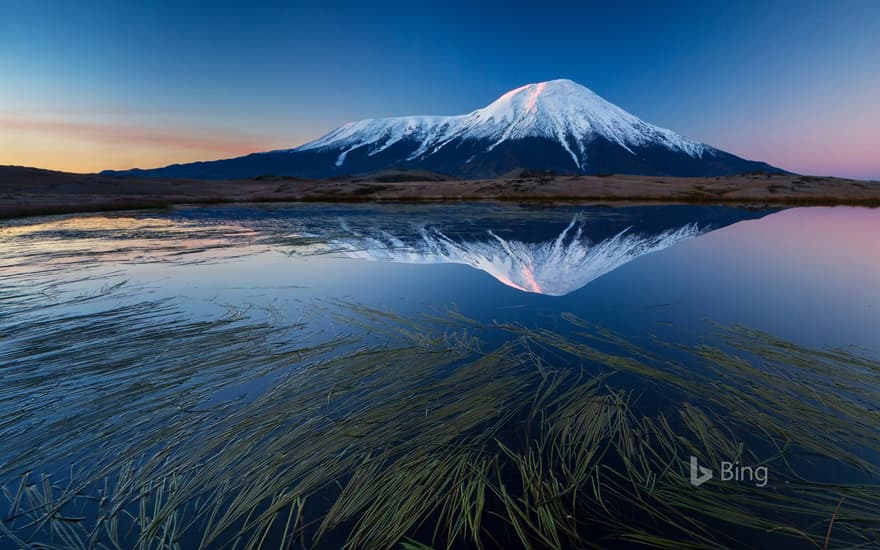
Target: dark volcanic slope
461	159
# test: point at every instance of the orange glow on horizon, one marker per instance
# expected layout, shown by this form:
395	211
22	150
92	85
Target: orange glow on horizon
74	146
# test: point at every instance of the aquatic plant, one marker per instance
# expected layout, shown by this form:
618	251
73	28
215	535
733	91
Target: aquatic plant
418	432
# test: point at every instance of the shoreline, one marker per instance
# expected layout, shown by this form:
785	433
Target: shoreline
28	192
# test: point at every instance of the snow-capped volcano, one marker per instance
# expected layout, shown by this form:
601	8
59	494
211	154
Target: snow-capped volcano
557	125
559	110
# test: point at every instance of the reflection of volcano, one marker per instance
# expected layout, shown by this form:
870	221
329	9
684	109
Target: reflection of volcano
556	267
548	250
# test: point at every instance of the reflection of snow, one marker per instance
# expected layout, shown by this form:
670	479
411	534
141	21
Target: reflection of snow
555	267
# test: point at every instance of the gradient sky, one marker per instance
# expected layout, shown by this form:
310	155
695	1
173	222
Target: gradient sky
91	85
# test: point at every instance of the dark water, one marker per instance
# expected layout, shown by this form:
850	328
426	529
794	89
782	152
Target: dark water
163	370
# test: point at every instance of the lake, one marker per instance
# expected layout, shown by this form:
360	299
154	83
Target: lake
431	375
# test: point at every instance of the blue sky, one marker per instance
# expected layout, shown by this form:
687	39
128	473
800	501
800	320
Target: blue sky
92	85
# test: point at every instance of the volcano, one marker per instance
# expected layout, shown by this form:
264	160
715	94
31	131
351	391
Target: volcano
559	126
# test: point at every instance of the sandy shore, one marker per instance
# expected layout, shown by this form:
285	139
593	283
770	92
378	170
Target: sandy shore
29	191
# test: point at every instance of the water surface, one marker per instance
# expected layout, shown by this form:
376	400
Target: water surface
516	375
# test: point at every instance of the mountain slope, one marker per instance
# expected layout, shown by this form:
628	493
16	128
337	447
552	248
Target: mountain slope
557	125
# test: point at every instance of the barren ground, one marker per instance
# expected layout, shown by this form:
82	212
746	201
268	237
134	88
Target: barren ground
30	191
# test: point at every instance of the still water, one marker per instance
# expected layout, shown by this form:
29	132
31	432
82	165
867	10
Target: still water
466	375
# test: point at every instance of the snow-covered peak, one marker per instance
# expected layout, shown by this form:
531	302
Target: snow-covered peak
560	110
552	98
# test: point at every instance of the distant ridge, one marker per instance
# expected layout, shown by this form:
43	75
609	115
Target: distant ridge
557	126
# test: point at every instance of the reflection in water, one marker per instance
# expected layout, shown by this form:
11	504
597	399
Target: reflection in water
551	252
57	243
556	267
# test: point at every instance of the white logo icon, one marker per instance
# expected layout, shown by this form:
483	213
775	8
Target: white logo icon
699	474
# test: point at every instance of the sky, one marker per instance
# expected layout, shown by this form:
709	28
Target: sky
93	85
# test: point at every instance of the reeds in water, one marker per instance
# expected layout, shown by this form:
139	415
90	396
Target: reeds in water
129	428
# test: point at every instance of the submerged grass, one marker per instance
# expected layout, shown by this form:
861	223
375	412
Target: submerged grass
135	426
